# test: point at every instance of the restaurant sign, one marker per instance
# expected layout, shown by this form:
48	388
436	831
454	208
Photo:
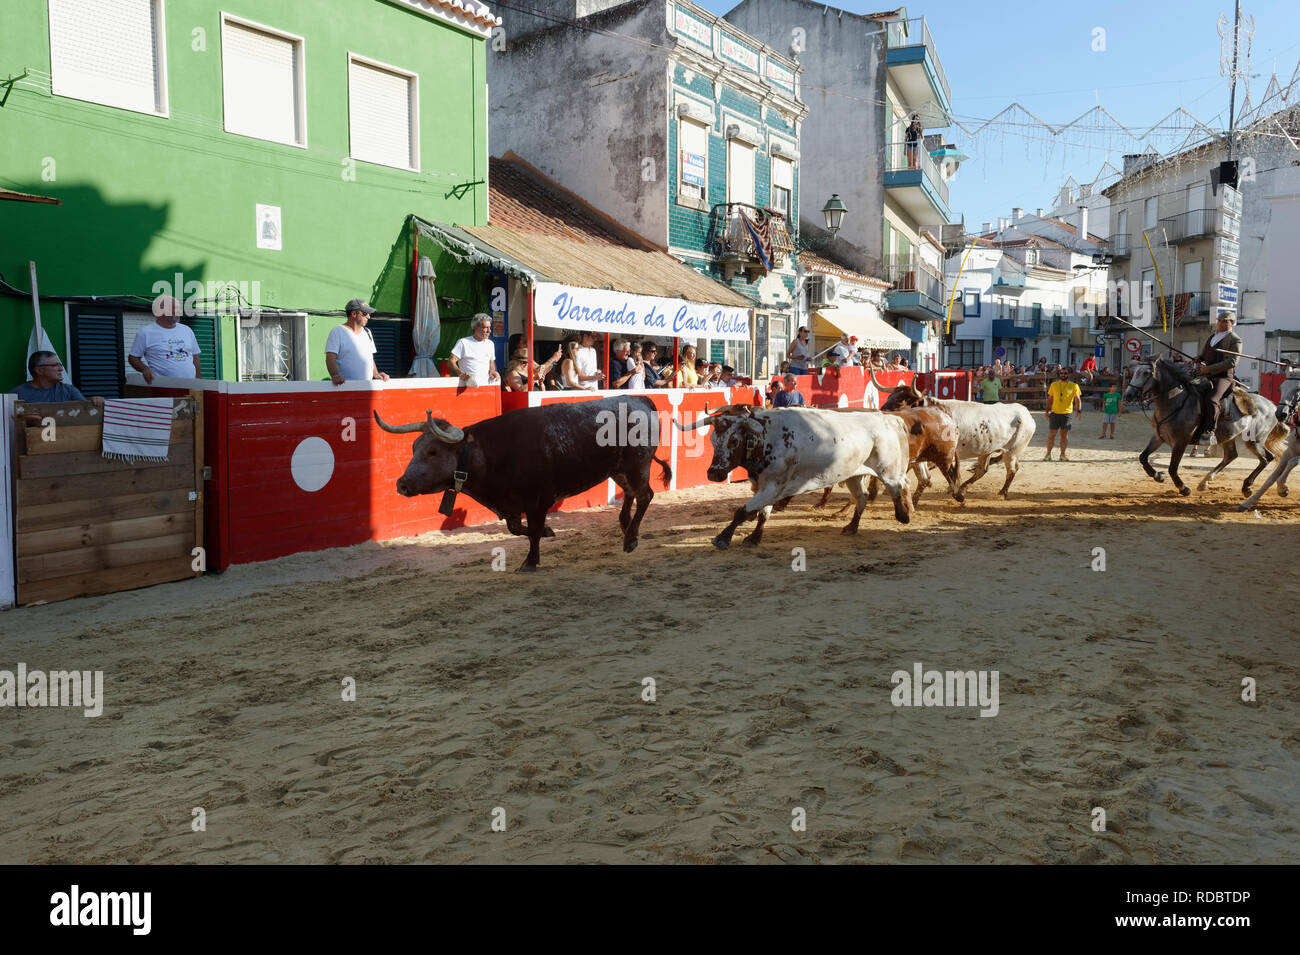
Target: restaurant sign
636	316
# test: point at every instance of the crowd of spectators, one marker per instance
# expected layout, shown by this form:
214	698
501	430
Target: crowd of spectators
633	366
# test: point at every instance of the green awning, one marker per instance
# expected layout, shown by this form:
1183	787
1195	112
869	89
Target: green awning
467	248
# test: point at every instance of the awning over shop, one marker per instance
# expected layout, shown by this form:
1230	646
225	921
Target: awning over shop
863	320
600	286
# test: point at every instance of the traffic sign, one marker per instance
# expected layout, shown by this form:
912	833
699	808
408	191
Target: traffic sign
999	351
1226	295
1133	345
1099	351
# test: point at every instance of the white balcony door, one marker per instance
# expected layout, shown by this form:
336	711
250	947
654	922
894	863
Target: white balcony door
1192	283
1195	215
1122	236
740	172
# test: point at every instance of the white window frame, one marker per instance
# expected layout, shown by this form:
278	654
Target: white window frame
300	85
162	105
298	360
789	206
413	80
753	172
701	201
1153	205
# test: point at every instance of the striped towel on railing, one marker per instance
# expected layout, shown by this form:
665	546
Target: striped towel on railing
137	428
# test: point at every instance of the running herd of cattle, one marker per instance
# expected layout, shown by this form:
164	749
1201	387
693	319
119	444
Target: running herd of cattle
525	461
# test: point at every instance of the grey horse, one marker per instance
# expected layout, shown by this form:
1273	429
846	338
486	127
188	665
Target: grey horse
1176	418
1287	411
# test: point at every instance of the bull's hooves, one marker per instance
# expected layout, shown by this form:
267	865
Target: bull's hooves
905	519
1159	476
1184	490
629	546
1245	491
528	569
1243	508
547	532
751	541
1282	491
849	531
721	544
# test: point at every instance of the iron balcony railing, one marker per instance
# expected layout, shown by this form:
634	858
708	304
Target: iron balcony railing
916	32
898	159
1180	307
913	276
1193	224
731	238
1119	245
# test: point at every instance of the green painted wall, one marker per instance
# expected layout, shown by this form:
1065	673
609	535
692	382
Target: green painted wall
145	197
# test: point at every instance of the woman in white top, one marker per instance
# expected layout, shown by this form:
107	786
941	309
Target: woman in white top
569	369
800	352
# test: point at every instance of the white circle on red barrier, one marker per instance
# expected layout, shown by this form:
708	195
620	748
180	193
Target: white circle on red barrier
945	387
313	464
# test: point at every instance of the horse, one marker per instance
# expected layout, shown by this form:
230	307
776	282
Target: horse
1177	420
1287	412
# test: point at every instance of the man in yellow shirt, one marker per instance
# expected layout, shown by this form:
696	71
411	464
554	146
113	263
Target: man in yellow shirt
1063	397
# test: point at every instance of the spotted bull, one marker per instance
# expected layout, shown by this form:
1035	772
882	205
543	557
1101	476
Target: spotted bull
524	461
984	432
790	451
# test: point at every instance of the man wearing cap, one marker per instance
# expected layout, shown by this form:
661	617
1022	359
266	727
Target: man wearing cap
474	357
1218	363
350	348
165	347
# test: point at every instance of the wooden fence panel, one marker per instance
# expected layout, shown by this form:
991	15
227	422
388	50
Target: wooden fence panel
86	524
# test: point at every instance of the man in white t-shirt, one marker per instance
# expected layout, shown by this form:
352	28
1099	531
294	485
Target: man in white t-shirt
844	353
474	357
588	373
350	348
166	347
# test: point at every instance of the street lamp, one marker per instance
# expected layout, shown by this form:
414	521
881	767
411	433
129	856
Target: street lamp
834	213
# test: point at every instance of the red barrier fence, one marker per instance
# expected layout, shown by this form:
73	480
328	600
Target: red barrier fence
300	466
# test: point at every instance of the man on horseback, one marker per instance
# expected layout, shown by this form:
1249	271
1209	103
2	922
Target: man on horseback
1218	366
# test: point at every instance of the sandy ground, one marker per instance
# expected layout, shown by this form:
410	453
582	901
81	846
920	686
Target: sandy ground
477	690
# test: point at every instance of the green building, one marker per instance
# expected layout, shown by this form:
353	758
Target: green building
234	154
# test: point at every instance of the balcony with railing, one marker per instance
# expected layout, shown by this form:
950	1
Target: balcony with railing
1005	282
732	227
1119	245
916	290
913	180
1181	307
911	53
1193	224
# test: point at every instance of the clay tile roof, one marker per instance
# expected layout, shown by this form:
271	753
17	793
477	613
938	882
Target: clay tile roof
473	10
816	263
554	232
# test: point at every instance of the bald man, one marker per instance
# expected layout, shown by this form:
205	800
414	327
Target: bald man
166	347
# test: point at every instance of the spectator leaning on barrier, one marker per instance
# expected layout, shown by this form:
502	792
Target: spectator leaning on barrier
621	367
990	387
350	348
165	347
473	358
46	384
788	396
650	359
800	351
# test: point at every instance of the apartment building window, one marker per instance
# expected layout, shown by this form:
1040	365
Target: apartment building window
1056	356
1036	312
1031	256
272	347
1148	291
782	185
1013	312
740	172
262	83
966	353
777	342
1149	213
970	303
109	52
383	114
693	162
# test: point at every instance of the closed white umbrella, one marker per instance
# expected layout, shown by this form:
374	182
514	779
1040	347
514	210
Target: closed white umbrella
428	324
38	340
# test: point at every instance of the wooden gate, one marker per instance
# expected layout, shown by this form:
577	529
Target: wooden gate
85	524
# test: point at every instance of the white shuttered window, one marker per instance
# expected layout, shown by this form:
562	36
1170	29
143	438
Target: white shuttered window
261	79
109	52
383	115
740	172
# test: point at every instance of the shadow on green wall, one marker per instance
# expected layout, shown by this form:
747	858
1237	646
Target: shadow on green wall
87	246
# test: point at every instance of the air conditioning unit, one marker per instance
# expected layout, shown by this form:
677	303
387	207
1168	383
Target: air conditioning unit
823	291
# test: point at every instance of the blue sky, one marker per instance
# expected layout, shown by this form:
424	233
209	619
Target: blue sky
1158	56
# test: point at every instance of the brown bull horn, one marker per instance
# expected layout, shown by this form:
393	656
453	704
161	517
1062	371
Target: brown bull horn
879	386
450	434
401	428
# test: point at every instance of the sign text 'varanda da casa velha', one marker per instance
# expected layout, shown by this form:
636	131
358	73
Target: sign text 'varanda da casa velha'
636	316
